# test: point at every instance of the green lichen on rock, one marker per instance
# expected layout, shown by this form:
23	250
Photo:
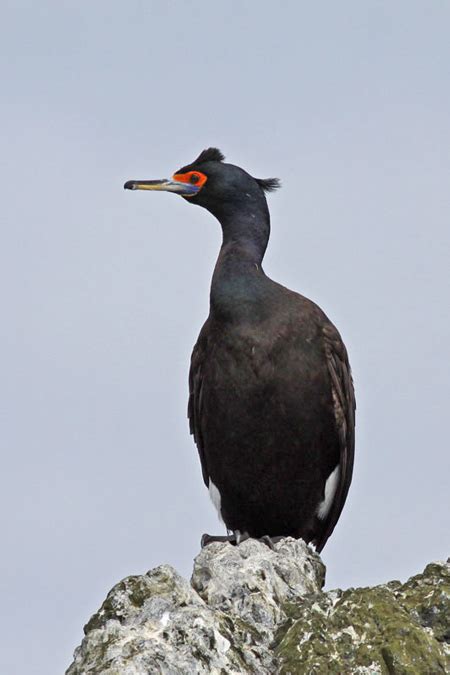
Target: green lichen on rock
250	609
426	597
392	628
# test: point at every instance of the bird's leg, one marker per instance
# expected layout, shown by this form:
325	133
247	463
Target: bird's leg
235	538
240	536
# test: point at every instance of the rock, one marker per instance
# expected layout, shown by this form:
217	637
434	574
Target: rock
250	609
392	628
253	582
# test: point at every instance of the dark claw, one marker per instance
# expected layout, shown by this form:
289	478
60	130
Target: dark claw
240	536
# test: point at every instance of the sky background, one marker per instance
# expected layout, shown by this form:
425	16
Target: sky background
103	292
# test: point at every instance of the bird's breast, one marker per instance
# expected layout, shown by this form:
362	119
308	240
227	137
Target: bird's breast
264	372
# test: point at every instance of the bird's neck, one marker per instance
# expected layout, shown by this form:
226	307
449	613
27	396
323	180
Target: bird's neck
238	287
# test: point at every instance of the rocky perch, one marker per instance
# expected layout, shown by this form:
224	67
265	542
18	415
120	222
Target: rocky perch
250	609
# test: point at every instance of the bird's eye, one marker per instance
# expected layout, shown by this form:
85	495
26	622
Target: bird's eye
196	178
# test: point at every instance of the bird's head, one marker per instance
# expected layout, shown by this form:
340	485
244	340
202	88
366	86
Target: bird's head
211	183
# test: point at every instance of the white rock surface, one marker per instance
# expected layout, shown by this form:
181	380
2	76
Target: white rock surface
253	582
222	623
250	609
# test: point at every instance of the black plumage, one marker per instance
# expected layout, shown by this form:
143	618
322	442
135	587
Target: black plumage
271	402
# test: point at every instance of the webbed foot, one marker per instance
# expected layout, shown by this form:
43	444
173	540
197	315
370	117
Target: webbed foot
270	541
236	538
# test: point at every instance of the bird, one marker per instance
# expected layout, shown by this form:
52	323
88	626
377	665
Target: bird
271	397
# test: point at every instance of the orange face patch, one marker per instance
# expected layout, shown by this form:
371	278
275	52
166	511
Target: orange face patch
192	177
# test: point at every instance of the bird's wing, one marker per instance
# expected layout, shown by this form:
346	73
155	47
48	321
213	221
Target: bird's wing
344	411
195	402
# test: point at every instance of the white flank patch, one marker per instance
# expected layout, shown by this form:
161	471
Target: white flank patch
330	490
215	497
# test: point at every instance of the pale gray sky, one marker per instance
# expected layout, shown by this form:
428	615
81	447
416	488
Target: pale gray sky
104	291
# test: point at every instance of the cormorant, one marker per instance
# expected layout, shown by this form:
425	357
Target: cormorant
271	403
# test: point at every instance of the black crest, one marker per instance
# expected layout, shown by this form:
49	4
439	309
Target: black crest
269	184
210	155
